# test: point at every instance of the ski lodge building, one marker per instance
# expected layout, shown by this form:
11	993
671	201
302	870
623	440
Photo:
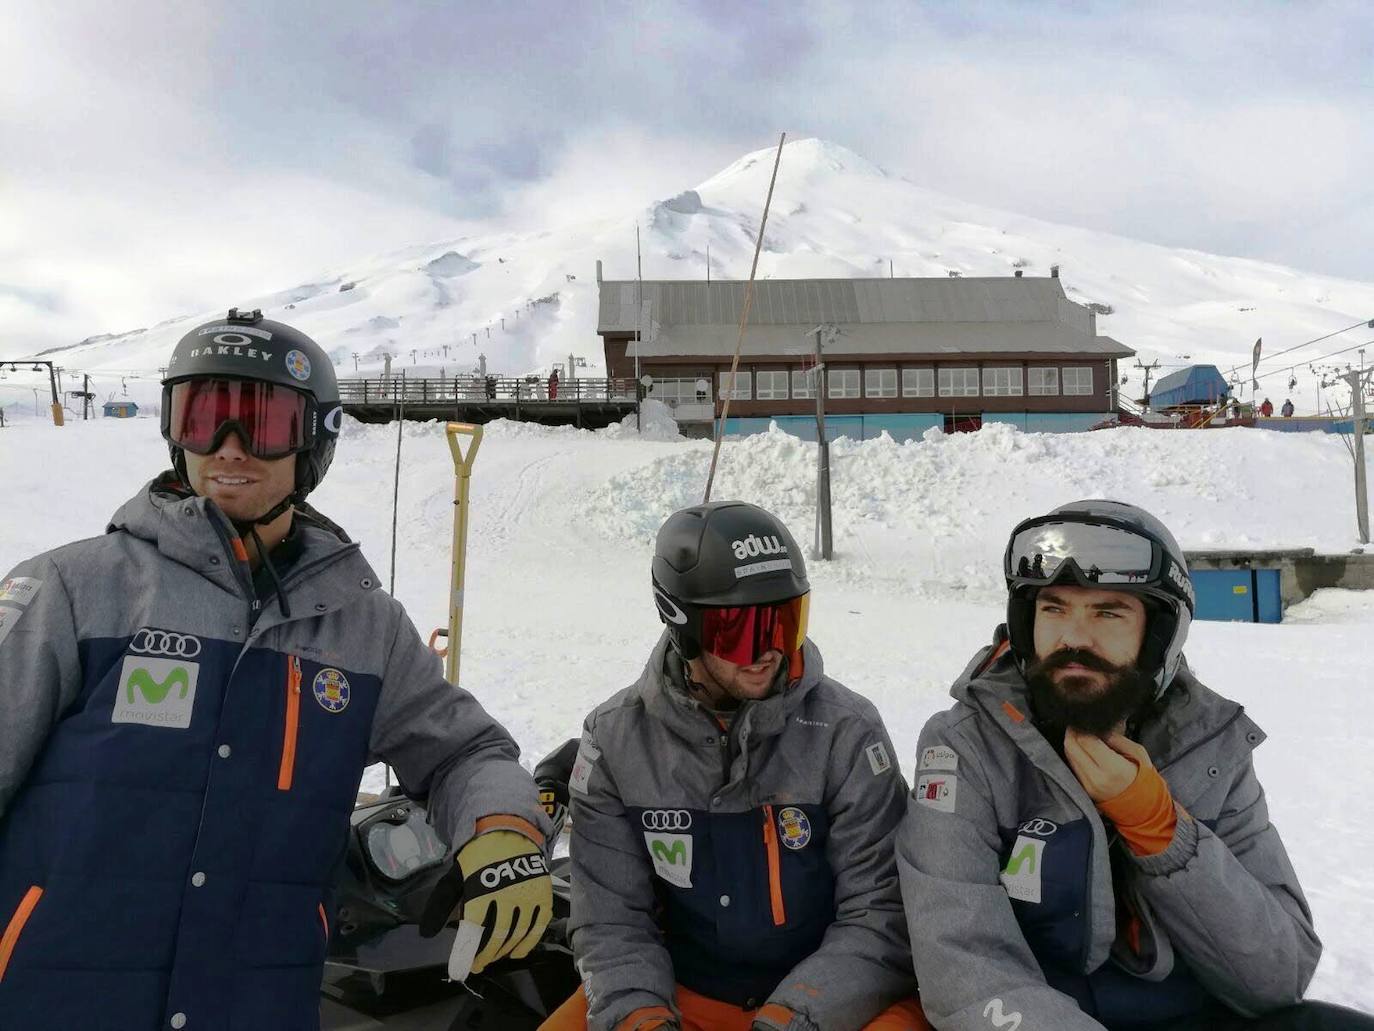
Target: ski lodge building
904	355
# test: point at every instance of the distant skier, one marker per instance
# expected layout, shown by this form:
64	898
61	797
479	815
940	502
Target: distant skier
1287	410
1088	845
733	813
190	701
1267	408
553	385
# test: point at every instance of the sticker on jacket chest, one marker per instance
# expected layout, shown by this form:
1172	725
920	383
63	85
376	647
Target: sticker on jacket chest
1021	875
157	682
670	851
938	791
331	690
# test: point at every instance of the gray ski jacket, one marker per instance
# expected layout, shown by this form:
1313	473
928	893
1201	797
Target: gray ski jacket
176	780
753	867
1008	872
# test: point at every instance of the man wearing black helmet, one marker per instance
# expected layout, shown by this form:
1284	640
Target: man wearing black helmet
733	813
1087	845
190	702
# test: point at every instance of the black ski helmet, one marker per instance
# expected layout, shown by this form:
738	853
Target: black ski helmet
1169	596
722	554
244	345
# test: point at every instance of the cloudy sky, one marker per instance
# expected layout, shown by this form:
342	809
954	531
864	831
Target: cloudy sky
156	158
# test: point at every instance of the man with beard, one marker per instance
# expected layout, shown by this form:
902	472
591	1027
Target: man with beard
1087	845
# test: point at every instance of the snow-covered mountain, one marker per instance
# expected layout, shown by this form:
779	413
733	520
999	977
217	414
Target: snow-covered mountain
833	214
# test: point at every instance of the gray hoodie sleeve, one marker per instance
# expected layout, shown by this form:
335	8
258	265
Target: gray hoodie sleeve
40	667
973	964
445	747
1231	903
616	940
863	964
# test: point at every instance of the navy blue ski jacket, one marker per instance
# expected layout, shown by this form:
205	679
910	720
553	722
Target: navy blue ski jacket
176	781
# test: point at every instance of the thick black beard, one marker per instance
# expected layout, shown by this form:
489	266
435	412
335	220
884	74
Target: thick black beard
1127	691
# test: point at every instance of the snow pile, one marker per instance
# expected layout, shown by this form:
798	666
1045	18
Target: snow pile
932	513
655	421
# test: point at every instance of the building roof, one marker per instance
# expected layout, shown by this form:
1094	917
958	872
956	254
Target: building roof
1195	385
899	316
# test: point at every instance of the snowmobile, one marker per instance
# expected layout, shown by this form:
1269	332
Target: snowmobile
381	975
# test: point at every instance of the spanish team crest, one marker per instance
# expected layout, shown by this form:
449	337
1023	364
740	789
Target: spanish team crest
794	828
298	365
331	690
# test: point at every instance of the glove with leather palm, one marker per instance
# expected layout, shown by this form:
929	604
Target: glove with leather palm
499	884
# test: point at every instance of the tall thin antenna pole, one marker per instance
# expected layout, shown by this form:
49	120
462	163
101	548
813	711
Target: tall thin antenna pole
639	317
743	321
1356	381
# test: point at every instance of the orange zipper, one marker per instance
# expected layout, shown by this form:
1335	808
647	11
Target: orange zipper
16	925
770	845
293	720
324	922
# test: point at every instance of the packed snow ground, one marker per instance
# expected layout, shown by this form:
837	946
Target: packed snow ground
559	614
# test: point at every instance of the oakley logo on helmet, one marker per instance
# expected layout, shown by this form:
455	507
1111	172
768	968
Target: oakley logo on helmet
233	347
754	546
513	871
668	609
666	819
333	421
163	642
1179	580
240	331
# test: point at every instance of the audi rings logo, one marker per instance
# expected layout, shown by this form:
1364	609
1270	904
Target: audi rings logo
164	642
1040	827
666	819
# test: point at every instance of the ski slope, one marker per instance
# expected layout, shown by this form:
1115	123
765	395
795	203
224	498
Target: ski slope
559	615
525	296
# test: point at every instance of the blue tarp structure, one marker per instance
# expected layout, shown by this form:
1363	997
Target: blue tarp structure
121	409
1195	385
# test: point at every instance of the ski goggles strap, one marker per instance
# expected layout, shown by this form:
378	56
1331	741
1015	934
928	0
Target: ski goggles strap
1102	553
274	421
743	634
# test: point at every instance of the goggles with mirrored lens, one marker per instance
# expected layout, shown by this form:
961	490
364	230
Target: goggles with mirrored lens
1103	554
273	421
743	634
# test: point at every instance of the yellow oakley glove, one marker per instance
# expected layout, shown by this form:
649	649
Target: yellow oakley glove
500	883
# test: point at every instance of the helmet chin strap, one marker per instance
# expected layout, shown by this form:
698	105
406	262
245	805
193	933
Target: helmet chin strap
250	527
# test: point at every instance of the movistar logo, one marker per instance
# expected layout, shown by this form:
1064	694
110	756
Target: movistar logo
673	856
1026	857
155	691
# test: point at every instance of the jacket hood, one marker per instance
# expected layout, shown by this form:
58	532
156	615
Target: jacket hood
664	695
194	532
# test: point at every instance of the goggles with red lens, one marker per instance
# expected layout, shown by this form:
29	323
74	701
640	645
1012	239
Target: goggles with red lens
273	421
742	635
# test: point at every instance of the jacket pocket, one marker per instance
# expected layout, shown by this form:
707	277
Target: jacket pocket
292	726
770	847
16	926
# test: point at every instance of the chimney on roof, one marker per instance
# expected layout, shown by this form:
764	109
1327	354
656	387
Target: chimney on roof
1054	271
1018	273
598	270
